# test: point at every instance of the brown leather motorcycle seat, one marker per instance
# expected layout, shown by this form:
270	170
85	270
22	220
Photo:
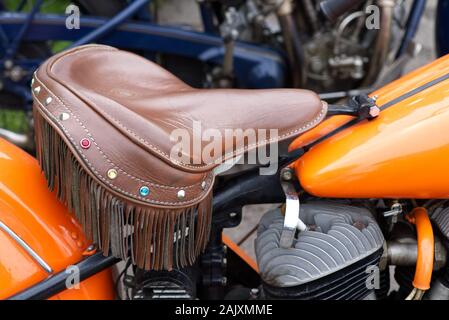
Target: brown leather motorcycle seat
105	120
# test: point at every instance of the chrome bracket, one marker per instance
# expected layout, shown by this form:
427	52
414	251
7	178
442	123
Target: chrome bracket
393	213
396	209
292	222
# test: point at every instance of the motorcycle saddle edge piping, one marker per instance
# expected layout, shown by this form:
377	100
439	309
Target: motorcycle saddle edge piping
104	124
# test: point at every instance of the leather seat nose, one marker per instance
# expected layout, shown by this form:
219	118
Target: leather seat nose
147	104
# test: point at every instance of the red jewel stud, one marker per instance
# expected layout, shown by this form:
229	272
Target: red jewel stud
85	143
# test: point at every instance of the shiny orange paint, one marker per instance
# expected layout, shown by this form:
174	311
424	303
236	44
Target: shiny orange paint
401	154
34	214
327	126
412	80
426	248
242	254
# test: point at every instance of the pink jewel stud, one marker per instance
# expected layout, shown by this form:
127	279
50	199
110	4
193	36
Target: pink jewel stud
85	143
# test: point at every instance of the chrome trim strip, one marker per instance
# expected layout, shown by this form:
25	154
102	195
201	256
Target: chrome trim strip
26	247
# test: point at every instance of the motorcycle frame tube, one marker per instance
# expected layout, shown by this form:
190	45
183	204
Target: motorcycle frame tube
442	25
207	17
255	66
14	45
112	23
56	284
412	26
97	287
97	264
238	251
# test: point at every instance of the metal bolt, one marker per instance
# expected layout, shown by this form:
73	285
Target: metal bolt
64	116
395	210
37	90
8	64
287	174
181	194
16	74
254	293
203	185
234	34
224	281
112	174
48	101
91	247
90	250
128	280
374	112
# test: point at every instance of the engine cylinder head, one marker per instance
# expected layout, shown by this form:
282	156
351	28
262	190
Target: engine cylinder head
334	259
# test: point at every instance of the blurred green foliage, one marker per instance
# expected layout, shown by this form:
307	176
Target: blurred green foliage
13	120
49	6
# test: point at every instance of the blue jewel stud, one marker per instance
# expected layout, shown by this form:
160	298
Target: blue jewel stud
144	191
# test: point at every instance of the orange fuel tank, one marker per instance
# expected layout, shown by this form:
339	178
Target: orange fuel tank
38	236
404	153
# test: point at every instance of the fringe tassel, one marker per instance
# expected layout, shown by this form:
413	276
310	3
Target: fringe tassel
154	238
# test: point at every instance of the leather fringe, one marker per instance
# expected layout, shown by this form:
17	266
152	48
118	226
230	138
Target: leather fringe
153	238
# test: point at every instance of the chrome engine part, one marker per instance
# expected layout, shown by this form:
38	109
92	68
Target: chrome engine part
324	56
163	285
348	50
328	261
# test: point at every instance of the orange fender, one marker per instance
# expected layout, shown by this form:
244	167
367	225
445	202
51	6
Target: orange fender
30	212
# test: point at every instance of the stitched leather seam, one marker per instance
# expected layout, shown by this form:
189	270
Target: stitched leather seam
257	144
98	174
105	156
145	142
231	153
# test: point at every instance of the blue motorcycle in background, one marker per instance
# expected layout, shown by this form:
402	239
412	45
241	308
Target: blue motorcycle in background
324	46
442	28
